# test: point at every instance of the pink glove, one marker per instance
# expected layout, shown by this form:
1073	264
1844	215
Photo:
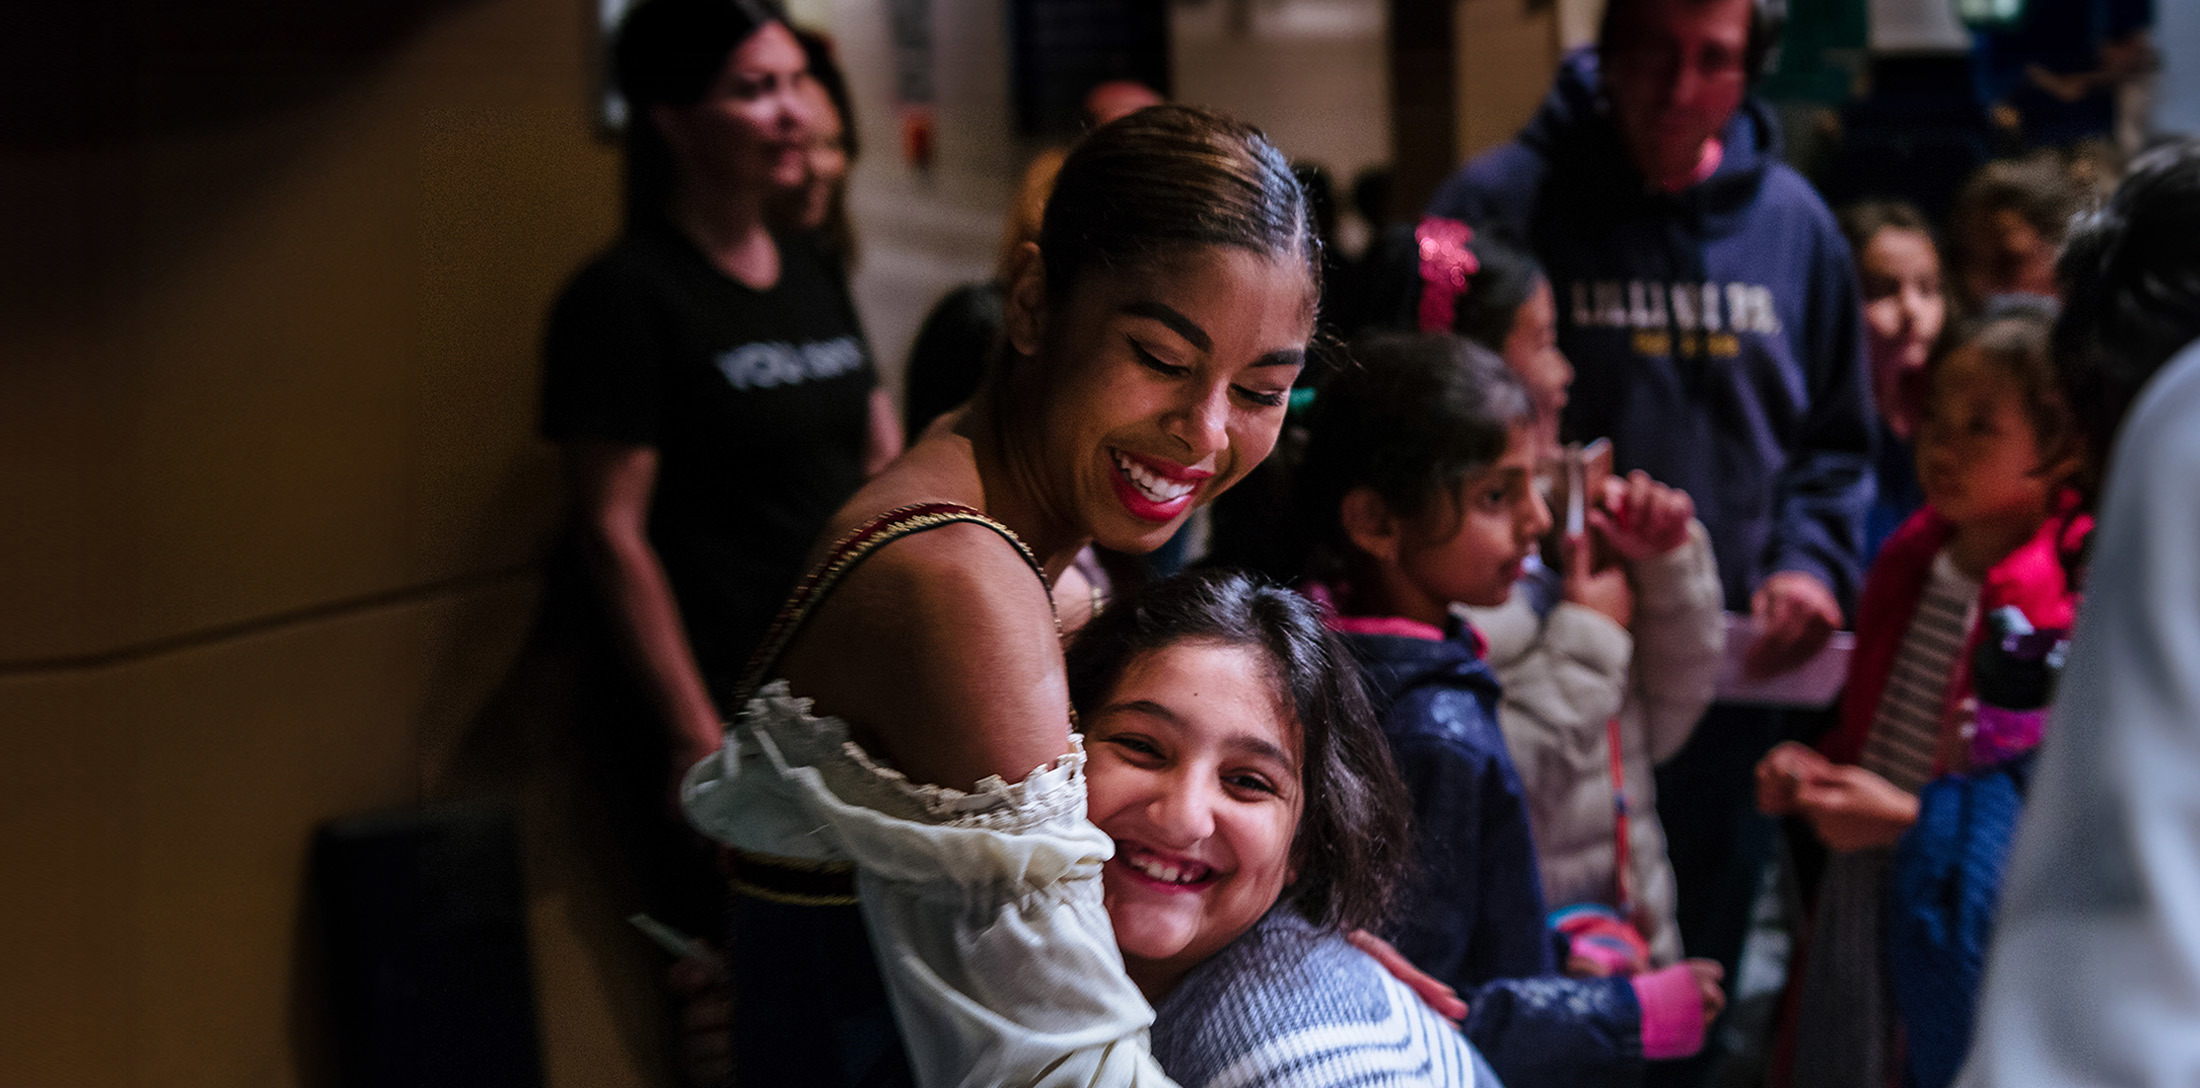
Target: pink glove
1672	1012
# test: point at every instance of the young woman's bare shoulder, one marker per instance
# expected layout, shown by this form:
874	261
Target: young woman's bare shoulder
941	652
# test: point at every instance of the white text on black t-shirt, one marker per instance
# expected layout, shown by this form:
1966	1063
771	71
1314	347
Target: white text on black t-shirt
769	363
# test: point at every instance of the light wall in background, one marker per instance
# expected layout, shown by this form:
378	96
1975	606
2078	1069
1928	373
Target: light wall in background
924	231
1309	73
1507	55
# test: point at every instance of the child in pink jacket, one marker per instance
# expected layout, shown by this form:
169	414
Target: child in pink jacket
1994	457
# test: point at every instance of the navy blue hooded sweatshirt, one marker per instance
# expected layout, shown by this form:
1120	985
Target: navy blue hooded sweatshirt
1714	332
1475	915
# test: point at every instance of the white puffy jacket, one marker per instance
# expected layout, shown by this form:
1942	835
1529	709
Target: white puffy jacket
1566	672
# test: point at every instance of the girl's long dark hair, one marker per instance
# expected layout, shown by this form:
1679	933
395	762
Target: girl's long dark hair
1352	847
2131	278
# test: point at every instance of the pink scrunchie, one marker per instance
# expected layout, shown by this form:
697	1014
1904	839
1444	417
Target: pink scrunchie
1446	262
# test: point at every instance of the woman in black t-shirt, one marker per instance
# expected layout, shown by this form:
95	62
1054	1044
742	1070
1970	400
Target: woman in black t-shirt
714	402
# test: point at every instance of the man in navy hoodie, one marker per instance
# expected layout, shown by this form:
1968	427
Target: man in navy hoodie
1709	307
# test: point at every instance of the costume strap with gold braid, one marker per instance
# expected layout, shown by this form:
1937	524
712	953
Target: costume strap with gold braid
802	881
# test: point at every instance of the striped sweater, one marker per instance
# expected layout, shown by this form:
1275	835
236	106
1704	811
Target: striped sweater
1290	1004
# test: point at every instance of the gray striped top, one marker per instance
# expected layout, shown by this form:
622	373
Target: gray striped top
1906	728
1290	1004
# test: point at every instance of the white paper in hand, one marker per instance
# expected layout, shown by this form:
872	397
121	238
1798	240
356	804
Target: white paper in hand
1811	685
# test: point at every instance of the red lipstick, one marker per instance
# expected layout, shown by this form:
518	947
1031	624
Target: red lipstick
1153	489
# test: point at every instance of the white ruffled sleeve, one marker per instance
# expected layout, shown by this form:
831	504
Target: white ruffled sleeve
984	906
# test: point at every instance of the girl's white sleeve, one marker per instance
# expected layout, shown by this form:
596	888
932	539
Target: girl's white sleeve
1680	633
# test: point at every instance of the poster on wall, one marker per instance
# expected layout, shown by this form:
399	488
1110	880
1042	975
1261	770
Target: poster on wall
910	24
1059	49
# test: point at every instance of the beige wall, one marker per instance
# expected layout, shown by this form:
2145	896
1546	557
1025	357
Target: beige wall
924	232
273	499
1311	74
1506	57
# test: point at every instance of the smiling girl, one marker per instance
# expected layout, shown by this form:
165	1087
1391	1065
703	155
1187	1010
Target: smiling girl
1238	769
907	744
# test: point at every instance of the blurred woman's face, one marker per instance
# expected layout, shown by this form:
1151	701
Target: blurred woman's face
1194	771
825	156
1904	308
1163	385
747	131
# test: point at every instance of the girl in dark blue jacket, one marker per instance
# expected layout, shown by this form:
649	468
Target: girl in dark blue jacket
1421	471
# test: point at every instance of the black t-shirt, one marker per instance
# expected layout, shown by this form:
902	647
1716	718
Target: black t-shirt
757	403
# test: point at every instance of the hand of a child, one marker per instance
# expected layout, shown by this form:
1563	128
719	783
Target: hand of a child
1605	591
1853	809
1709	975
1432	991
1641	517
1781	772
1795	614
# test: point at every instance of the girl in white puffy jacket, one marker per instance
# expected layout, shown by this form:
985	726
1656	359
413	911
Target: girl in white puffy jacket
1629	652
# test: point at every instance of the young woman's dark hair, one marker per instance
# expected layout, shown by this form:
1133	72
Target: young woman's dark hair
1412	415
2131	279
838	234
1137	189
1321	197
1352	849
667	53
825	69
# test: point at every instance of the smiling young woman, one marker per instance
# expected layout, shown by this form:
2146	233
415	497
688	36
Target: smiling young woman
1163	390
1153	333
